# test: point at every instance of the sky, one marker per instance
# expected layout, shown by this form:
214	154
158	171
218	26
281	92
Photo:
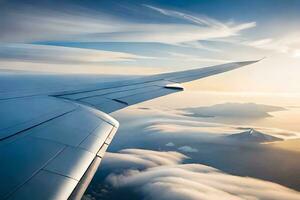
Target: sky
146	37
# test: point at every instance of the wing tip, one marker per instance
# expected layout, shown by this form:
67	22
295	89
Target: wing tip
262	58
250	61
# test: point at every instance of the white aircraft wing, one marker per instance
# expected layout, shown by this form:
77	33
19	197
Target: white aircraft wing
51	143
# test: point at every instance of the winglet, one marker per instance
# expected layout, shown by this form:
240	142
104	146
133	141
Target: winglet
262	58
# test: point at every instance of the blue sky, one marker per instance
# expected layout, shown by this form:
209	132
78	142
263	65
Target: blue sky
150	36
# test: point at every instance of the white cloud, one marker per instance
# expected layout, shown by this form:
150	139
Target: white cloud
26	25
170	144
177	126
198	45
142	158
208	28
35	24
259	43
59	54
188	149
188	128
71	68
59	59
203	20
296	53
194	58
196	181
288	43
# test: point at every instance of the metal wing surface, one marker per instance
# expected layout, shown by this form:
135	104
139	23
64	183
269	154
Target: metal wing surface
52	142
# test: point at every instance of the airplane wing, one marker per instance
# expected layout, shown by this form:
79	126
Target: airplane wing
51	143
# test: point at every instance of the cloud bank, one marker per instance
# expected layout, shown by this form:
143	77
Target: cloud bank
167	130
141	158
193	181
205	124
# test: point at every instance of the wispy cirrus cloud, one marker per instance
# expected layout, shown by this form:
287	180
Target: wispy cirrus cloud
34	24
197	58
289	44
204	20
60	54
208	28
59	59
31	25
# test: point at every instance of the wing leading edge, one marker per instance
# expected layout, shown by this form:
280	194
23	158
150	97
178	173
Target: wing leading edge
51	145
116	96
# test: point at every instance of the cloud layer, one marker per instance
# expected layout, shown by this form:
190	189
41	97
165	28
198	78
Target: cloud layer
192	181
141	158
